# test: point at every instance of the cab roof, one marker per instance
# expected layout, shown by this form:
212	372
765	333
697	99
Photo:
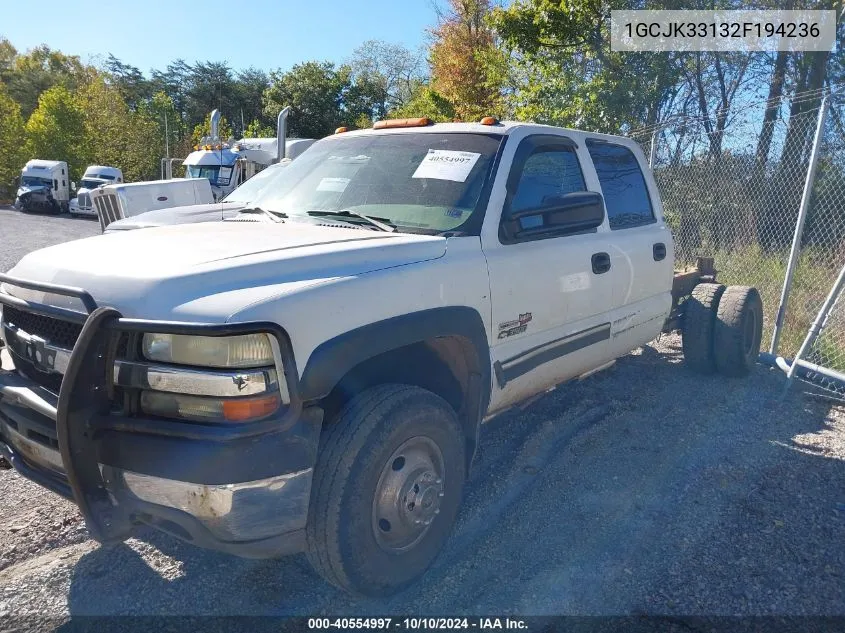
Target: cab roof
102	169
502	127
37	163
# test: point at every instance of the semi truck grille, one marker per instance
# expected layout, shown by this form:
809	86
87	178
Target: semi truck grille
108	209
84	201
56	331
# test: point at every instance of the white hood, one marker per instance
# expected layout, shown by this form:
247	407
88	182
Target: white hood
151	273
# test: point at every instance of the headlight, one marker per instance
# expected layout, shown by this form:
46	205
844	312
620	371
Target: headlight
235	354
248	350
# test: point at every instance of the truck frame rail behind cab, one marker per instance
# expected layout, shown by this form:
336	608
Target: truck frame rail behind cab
682	286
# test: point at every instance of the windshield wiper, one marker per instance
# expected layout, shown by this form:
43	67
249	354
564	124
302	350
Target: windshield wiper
381	226
276	216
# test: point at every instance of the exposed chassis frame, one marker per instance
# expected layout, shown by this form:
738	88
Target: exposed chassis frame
682	286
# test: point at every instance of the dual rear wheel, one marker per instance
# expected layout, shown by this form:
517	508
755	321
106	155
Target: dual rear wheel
722	329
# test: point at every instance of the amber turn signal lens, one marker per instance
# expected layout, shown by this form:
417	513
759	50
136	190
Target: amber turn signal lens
489	120
240	410
341	130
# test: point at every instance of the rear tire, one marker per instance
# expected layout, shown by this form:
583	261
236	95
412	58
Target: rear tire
739	331
698	326
387	486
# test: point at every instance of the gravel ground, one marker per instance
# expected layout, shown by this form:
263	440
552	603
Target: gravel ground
645	489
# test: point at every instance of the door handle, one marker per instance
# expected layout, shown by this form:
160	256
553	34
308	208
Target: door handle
601	263
658	251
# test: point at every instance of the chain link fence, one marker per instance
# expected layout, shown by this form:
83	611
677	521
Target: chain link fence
732	190
823	245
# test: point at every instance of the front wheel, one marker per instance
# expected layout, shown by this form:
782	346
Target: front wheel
387	487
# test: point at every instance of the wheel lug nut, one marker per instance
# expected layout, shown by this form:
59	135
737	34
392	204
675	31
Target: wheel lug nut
441	494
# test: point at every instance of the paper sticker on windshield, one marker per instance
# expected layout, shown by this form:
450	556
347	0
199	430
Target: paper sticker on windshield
444	164
333	184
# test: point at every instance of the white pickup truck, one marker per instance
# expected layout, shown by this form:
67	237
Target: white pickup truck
312	374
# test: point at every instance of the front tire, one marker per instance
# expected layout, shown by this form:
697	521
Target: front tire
387	487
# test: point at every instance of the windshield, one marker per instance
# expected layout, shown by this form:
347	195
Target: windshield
426	181
35	181
216	174
250	190
102	176
90	184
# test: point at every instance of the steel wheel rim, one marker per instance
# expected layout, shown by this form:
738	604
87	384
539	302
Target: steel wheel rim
408	494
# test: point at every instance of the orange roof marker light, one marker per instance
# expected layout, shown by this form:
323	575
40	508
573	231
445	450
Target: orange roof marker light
341	130
489	120
391	123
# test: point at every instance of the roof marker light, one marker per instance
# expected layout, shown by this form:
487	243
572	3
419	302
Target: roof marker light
341	129
489	120
394	123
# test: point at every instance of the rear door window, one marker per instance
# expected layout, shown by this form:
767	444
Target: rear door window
623	185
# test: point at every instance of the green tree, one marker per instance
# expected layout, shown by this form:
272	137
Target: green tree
316	93
250	85
11	142
106	123
256	130
56	130
168	138
143	153
210	85
116	135
462	40
426	102
560	52
174	82
130	82
8	53
385	76
39	70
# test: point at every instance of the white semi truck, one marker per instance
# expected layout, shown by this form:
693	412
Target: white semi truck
44	187
95	176
227	164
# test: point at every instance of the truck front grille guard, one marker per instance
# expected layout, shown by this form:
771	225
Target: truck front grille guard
84	405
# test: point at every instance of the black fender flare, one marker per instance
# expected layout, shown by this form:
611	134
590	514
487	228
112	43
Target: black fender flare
334	358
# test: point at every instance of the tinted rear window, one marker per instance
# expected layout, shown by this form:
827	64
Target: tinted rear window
622	185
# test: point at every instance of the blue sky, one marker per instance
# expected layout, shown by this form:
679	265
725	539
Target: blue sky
262	33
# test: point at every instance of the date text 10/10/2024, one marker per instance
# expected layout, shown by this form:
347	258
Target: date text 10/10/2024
418	623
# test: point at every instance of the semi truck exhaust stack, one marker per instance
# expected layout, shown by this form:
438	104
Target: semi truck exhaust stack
281	133
215	122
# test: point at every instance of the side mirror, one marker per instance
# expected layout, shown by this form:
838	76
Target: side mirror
73	186
558	215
